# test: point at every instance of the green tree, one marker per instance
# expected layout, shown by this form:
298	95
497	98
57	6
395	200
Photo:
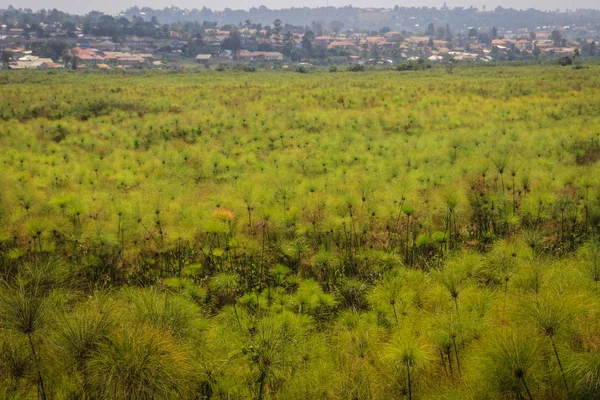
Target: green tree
375	52
494	33
288	43
440	33
556	37
74	63
448	33
233	42
5	58
277	26
430	30
53	49
195	44
532	35
307	43
336	26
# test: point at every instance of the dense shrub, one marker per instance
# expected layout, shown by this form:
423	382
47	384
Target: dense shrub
356	68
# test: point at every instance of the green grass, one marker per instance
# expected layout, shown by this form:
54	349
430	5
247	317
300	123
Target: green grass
279	235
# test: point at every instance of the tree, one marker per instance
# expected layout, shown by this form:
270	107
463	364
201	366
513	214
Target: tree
74	63
494	33
430	30
588	49
556	37
375	52
384	30
336	26
106	26
122	23
473	33
233	42
440	32
448	35
196	43
532	35
307	41
316	27
288	43
69	26
277	26
450	66
296	55
53	49
5	58
365	49
485	38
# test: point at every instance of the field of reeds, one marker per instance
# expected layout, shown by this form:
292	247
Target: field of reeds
376	235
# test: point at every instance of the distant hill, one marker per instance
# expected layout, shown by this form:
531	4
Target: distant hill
578	23
411	19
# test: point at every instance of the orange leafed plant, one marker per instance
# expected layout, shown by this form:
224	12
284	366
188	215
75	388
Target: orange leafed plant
224	214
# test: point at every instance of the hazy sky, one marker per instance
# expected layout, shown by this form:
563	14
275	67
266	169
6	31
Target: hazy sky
114	6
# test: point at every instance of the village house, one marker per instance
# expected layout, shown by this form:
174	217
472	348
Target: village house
259	55
322	41
106	45
130	60
341	45
417	40
393	36
33	62
435	58
204	59
264	45
524	45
